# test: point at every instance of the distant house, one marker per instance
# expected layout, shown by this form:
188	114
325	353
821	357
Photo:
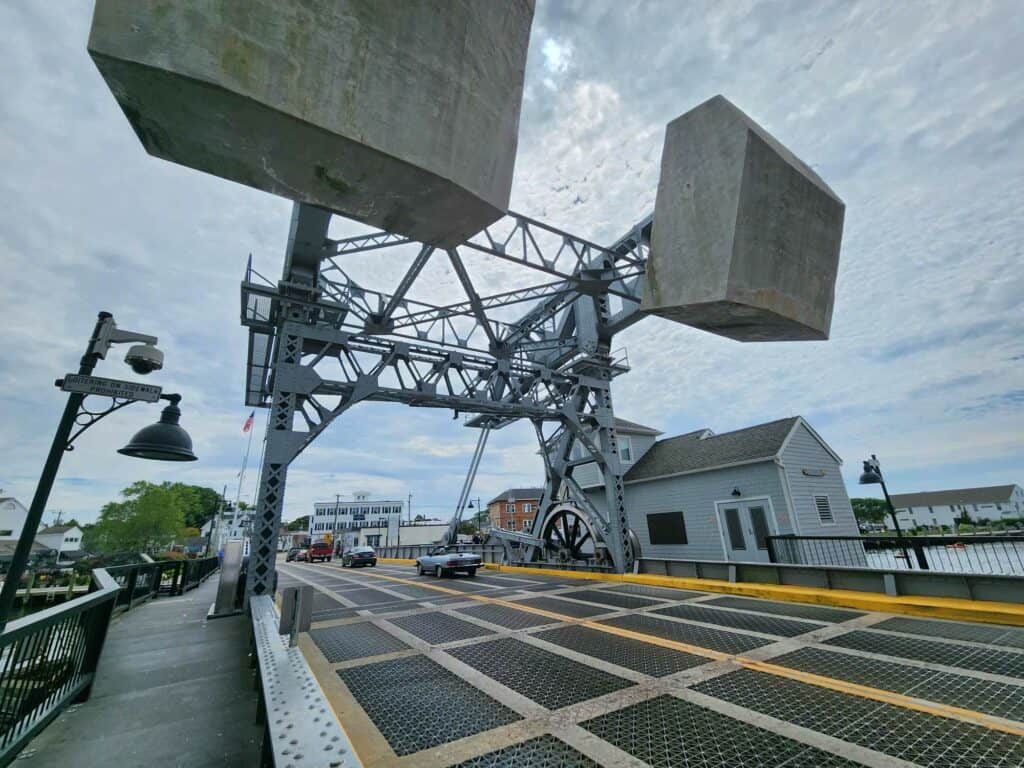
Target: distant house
935	508
63	538
514	509
12	518
702	496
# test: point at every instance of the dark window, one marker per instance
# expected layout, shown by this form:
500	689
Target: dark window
732	524
760	524
666	528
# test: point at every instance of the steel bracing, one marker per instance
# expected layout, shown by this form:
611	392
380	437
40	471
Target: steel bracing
320	342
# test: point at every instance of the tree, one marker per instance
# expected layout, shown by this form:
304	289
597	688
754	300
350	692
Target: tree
870	510
149	517
299	524
468	527
419	518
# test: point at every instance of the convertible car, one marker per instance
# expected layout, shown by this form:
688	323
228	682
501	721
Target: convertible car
446	561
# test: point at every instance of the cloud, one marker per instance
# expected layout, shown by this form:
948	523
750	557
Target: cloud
911	113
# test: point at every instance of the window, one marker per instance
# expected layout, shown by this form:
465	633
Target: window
511	507
821	503
625	450
666	528
527	508
527	523
735	529
6	532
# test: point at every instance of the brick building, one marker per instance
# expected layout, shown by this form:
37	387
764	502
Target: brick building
515	508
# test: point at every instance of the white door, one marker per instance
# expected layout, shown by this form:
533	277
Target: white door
746	526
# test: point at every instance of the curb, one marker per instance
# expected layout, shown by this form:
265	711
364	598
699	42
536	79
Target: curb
956	609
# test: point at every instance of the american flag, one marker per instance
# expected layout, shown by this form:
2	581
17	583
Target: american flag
248	422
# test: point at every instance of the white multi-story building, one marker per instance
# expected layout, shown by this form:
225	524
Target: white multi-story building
935	508
362	512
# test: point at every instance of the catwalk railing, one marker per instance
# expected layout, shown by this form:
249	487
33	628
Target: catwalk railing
980	554
140	582
48	659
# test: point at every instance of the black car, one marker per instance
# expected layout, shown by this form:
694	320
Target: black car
359	556
292	553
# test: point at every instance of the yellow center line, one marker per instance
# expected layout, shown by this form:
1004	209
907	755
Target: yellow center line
822	681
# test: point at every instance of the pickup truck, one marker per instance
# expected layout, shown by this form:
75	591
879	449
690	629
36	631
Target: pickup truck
320	551
445	561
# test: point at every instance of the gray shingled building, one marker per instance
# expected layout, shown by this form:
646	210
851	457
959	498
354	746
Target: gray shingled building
702	496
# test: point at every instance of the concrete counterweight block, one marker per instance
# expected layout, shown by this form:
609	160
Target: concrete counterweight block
403	114
746	237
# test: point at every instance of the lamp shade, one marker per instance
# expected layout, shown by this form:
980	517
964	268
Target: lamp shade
163	441
870	476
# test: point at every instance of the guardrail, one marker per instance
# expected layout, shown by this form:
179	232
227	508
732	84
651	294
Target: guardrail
488	553
297	719
987	554
140	582
48	659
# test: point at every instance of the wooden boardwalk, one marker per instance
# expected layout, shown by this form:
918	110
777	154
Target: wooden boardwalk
172	690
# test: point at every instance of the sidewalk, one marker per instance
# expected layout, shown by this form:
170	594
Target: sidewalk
171	689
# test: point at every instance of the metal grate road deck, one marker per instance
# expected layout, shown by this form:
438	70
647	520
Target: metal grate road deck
549	679
417	704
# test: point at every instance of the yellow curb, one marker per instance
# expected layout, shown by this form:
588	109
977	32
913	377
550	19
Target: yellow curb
954	608
395	561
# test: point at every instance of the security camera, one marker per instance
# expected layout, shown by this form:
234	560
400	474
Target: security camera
145	358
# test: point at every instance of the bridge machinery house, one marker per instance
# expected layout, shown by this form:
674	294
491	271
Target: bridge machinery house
702	496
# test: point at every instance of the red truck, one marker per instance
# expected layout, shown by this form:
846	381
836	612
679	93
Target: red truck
321	550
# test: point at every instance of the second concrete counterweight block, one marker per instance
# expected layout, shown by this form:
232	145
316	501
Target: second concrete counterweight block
746	237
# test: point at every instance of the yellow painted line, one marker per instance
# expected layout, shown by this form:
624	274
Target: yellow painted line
951	608
821	681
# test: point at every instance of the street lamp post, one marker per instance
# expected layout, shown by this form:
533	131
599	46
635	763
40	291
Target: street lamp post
164	441
872	475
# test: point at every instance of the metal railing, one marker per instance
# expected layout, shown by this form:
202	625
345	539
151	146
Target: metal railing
140	582
48	659
981	554
488	553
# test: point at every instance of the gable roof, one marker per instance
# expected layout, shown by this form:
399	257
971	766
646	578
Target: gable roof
632	428
518	494
987	495
57	529
702	449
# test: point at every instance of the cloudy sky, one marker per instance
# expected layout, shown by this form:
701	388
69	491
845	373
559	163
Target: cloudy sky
912	112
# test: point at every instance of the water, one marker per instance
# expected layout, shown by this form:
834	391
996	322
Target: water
1003	557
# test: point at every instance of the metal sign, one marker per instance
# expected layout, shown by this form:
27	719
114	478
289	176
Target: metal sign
95	385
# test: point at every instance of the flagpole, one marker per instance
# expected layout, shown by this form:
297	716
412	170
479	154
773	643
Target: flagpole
245	462
263	449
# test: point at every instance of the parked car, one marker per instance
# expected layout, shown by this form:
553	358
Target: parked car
446	561
360	556
292	553
320	551
301	556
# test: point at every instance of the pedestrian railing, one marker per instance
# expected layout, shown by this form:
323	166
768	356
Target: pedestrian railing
48	659
981	554
144	581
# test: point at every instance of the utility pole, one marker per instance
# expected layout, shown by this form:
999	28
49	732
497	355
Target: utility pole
334	530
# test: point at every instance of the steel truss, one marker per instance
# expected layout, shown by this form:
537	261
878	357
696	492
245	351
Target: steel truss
319	342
